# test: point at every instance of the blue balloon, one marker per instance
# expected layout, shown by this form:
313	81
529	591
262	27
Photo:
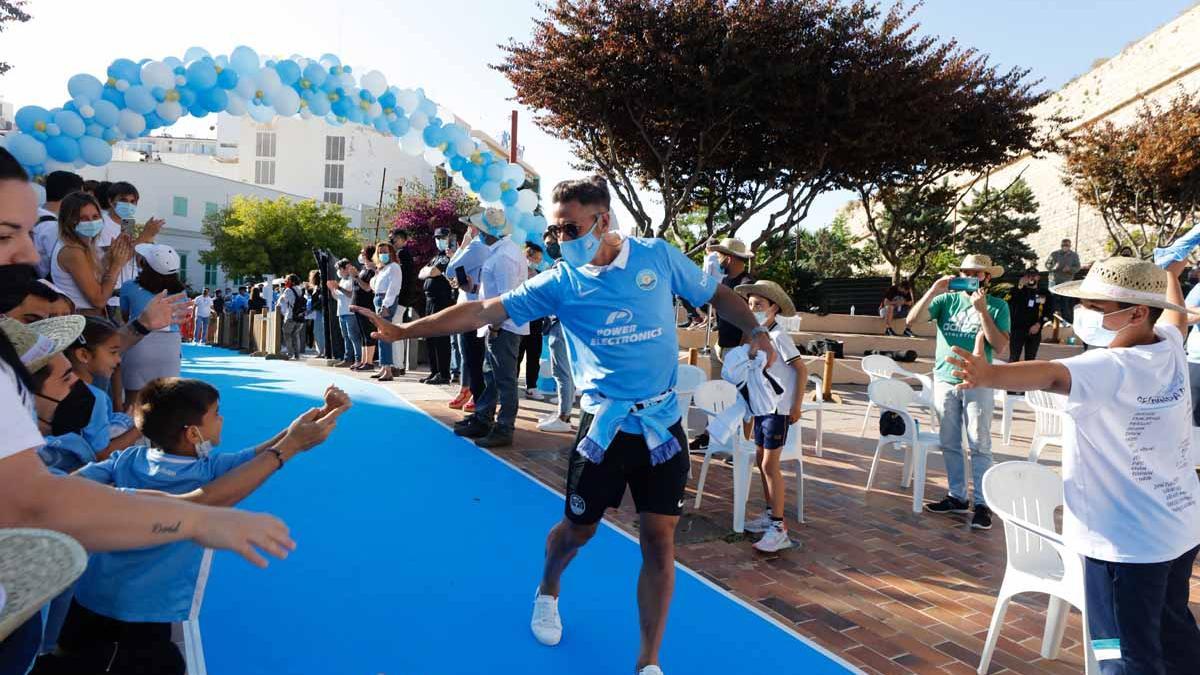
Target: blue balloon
69	105
315	74
187	97
29	117
174	64
509	197
215	99
95	130
198	110
428	107
84	85
457	163
399	126
387	99
201	75
289	71
124	69
139	99
159	94
153	121
105	113
94	151
69	123
195	54
244	60
113	96
487	157
63	148
433	136
473	173
476	185
227	79
381	124
319	104
495	172
26	149
111	135
490	191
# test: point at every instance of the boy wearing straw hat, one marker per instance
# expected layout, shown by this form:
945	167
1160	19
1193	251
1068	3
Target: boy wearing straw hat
769	301
1131	496
964	318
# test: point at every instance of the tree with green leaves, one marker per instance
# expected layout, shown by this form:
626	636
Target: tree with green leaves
252	237
913	227
11	11
997	222
798	261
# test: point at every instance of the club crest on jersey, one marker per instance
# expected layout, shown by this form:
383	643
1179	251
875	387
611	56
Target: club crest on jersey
647	280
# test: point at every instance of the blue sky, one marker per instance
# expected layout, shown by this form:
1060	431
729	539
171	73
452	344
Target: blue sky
445	46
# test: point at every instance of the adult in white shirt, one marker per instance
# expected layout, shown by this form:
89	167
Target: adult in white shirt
102	519
386	284
204	304
504	270
343	292
59	184
1132	499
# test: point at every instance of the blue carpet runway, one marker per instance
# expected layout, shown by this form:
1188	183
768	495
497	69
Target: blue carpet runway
418	554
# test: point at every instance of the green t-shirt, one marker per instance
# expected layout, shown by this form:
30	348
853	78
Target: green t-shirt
957	325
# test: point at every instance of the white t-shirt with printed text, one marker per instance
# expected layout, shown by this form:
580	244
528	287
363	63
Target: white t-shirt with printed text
1129	468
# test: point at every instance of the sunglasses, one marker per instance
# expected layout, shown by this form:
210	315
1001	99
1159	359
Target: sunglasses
569	231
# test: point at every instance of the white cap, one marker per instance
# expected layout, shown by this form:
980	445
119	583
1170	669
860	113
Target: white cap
161	258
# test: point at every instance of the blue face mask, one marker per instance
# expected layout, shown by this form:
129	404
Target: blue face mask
89	228
204	448
442	244
125	209
385	258
580	250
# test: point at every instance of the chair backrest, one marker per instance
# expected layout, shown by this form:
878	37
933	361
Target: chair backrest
688	378
891	394
714	395
1027	492
1048	411
878	366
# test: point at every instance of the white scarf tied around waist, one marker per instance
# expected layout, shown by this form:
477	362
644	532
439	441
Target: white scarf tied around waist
758	391
656	415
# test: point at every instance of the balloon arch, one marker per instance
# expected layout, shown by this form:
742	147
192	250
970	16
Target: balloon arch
138	97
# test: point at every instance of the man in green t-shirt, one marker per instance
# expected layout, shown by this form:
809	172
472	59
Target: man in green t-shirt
970	320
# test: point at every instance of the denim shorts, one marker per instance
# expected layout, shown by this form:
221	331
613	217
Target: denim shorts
770	431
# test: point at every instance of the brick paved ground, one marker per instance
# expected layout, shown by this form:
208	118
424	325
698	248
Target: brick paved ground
888	590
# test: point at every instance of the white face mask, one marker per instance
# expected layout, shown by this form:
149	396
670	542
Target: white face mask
204	447
1089	326
762	318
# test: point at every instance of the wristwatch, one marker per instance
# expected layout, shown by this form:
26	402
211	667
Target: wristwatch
139	327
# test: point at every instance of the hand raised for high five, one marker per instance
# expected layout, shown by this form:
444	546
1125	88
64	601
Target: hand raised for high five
973	369
384	330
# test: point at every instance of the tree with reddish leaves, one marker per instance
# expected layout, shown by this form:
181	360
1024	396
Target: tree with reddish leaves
421	210
1143	178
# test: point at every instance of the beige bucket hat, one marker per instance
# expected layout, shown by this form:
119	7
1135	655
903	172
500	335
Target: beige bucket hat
734	247
35	566
36	343
1129	280
771	291
981	262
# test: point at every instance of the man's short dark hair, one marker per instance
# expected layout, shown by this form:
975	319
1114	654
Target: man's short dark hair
121	189
341	264
10	168
59	184
399	233
167	406
585	191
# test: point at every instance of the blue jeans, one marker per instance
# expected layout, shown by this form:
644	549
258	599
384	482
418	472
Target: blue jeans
1138	616
561	365
500	380
455	354
385	347
351	337
201	333
950	404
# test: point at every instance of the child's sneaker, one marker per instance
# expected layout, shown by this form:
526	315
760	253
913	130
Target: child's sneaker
776	539
651	670
760	524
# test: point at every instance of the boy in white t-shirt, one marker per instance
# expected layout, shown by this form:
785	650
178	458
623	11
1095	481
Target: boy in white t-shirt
768	301
1132	499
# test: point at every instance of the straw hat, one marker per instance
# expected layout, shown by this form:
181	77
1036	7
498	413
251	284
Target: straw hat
36	343
473	217
734	247
1129	280
771	291
981	262
35	566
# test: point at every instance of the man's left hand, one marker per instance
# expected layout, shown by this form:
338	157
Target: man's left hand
979	301
762	342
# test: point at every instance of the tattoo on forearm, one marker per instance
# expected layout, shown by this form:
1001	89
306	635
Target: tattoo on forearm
163	528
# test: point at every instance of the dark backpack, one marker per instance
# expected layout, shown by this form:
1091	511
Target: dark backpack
821	346
891	424
299	306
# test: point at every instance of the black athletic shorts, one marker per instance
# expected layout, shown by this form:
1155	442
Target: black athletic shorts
592	488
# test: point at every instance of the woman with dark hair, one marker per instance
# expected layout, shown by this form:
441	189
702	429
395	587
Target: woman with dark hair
76	265
158	354
257	302
364	296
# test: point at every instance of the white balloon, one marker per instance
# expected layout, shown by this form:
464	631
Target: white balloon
130	123
246	88
267	82
375	110
306	113
237	105
169	111
286	101
180	80
157	74
122	85
87	112
418	121
514	174
464	147
261	113
374	82
527	200
408	100
347	81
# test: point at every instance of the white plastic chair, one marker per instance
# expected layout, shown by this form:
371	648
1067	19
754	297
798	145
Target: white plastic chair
879	367
711	398
896	396
687	380
1024	495
1050	421
818	407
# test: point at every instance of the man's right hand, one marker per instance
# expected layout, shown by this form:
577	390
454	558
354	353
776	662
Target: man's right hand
244	532
163	310
384	330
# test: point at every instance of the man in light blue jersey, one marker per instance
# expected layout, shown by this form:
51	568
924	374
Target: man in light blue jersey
615	299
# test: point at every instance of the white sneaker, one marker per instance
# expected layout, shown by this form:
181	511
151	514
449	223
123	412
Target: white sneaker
546	624
760	524
776	539
554	424
650	670
534	394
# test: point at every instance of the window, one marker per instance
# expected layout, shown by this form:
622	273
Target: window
264	145
183	266
211	208
210	274
333	198
441	179
179	207
335	176
335	148
264	171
